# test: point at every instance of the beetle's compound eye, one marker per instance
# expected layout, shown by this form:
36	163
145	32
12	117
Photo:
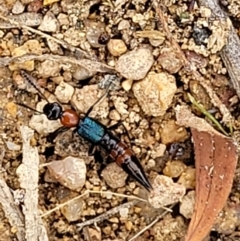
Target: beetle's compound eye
53	111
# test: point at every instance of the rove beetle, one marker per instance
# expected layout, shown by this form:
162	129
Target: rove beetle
95	133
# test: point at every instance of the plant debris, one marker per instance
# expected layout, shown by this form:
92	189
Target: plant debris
216	161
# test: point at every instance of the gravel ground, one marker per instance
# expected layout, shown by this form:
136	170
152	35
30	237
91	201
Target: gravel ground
172	68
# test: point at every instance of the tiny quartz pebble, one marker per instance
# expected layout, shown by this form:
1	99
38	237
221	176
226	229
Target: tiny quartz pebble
73	210
49	23
64	92
155	93
171	132
170	61
135	64
11	107
81	73
187	204
116	47
174	168
165	192
95	234
18	7
114	175
12	146
48	2
70	172
127	84
188	178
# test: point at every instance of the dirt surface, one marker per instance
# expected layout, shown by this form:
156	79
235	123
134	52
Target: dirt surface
73	51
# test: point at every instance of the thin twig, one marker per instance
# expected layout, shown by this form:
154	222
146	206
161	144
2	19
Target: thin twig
91	65
94	192
119	195
107	214
63	204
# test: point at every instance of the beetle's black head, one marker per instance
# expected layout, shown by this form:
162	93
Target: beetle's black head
53	111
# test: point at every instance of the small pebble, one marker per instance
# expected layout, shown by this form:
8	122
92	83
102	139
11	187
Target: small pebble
114	115
11	108
170	61
174	168
95	234
18	7
34	46
34	6
188	178
63	19
155	93
57	80
129	225
12	146
111	81
135	64
94	31
49	23
171	228
72	211
48	2
81	73
165	192
187	204
26	65
107	230
54	47
113	220
124	24
123	212
228	219
114	176
171	132
73	36
116	47
127	84
70	172
64	92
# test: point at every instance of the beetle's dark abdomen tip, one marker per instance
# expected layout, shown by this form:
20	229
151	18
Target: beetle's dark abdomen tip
133	167
147	185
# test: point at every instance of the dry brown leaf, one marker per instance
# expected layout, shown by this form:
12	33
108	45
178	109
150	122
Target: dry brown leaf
215	160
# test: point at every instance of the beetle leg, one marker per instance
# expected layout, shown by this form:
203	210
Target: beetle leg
99	100
115	126
92	150
52	136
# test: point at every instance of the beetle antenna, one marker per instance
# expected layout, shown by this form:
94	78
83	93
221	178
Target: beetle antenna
28	107
31	81
99	100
